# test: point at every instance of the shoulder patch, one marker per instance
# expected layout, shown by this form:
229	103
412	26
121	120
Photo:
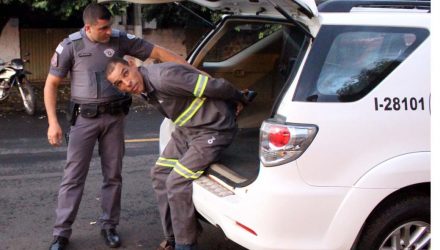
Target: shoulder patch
130	36
54	60
59	49
75	36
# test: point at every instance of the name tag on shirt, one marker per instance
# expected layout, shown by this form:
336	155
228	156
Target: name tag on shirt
84	54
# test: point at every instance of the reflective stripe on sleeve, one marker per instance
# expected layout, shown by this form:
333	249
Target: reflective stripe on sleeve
200	86
165	162
185	172
189	112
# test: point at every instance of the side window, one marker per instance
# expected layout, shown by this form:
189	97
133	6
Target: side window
239	37
349	62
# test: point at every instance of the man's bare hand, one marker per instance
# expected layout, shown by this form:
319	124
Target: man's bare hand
240	107
55	135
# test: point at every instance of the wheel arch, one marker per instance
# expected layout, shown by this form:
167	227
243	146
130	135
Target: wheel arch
398	172
420	189
397	177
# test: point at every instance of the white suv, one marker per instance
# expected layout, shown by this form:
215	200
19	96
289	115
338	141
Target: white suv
334	153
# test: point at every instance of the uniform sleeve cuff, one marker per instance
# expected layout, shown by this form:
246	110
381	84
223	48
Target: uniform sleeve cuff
58	73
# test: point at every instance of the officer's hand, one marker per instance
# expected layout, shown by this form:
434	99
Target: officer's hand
240	107
55	135
247	96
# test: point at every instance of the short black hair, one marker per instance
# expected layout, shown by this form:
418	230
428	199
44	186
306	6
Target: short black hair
95	11
112	63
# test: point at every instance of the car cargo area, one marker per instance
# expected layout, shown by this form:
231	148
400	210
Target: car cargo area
258	56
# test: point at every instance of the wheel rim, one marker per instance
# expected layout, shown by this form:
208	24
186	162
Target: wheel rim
27	96
413	235
28	102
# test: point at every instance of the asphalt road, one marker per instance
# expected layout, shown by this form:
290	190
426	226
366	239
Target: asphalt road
31	171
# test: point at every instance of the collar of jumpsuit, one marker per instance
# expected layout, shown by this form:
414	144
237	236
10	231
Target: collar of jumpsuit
148	87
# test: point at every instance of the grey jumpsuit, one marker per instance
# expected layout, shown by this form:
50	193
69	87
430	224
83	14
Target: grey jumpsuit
86	61
203	110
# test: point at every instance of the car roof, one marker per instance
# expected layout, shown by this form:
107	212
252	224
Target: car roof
350	5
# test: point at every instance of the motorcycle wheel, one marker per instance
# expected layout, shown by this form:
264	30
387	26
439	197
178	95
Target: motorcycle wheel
28	96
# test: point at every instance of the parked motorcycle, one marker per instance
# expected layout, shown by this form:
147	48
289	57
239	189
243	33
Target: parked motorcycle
13	74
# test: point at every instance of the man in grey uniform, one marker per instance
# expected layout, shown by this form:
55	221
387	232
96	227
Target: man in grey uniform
204	111
98	111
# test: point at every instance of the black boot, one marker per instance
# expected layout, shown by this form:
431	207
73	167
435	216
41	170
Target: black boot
59	243
111	237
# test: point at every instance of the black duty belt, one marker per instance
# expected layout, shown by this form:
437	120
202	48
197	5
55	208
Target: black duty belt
117	107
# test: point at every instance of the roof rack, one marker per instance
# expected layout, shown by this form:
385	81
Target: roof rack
347	5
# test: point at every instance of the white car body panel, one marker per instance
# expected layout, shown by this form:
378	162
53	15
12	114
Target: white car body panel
399	172
363	121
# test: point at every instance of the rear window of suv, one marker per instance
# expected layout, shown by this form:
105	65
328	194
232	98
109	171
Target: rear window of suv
347	62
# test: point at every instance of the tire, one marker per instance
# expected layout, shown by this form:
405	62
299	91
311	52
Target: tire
28	96
393	225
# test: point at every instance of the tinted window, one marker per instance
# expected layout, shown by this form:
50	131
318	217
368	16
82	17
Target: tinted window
347	62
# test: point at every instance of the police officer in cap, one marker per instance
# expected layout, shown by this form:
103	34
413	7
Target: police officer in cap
97	114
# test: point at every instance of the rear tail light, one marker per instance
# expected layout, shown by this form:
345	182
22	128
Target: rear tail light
281	143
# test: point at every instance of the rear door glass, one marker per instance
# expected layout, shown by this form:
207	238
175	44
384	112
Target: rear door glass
347	62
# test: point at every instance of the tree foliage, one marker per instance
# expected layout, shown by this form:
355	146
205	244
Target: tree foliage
173	15
62	9
165	14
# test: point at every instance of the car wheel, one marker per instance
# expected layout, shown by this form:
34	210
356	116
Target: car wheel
402	224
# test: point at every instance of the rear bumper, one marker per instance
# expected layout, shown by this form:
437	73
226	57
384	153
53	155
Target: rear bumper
286	213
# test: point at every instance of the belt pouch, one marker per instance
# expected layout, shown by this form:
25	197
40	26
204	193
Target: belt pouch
72	113
115	108
120	106
89	110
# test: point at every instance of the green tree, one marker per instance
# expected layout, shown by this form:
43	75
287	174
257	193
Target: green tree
65	8
170	14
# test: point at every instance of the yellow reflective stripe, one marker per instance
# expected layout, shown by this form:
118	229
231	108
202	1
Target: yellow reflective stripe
166	162
189	112
200	86
185	172
182	174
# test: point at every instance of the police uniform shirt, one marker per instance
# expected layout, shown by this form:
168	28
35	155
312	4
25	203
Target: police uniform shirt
87	63
174	88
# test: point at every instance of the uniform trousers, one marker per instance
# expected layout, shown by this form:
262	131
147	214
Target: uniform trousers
108	130
189	152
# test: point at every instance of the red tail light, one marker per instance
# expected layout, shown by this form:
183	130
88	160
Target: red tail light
279	136
284	142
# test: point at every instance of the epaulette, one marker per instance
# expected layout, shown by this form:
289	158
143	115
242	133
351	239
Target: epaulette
75	36
77	40
115	33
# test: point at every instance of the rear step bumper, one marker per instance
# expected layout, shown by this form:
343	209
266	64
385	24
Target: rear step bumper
212	184
227	175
